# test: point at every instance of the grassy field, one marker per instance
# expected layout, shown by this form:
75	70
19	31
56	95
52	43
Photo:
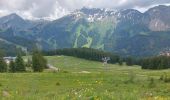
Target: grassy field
85	80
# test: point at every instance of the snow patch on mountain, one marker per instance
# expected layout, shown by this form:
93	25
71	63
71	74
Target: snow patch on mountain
93	14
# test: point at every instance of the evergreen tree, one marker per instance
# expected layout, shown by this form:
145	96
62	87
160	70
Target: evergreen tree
158	62
129	61
120	62
12	67
29	63
19	62
2	54
3	65
38	62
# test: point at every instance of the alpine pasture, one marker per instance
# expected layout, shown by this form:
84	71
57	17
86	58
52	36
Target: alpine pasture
80	79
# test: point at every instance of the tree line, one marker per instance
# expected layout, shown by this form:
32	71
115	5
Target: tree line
95	55
85	53
37	64
157	62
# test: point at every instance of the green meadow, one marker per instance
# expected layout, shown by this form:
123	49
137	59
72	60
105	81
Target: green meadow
80	79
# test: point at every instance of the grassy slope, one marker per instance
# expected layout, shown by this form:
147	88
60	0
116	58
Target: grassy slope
106	84
101	27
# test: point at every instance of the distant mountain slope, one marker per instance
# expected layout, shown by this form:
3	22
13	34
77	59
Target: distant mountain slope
9	49
127	32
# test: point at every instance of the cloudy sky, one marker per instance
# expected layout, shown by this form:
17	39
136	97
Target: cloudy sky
53	9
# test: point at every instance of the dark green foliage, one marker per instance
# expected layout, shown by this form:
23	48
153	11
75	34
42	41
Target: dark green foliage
12	67
1	53
20	66
120	62
85	53
158	62
65	72
165	78
129	61
3	65
28	63
57	84
38	62
131	78
151	83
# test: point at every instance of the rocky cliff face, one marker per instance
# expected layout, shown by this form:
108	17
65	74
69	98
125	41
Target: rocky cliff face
159	18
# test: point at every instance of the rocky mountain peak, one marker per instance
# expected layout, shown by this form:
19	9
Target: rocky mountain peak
159	17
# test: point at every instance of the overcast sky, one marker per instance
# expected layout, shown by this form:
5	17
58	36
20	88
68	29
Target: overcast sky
53	9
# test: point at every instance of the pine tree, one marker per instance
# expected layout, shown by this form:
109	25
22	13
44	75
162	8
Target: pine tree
19	62
12	67
129	61
38	62
28	63
3	65
120	62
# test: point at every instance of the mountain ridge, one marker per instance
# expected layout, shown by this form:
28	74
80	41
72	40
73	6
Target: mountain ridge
127	32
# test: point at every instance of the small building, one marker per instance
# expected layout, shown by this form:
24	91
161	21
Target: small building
52	68
9	59
165	53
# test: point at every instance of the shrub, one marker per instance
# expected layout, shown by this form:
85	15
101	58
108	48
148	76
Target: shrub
65	72
57	84
131	78
165	78
161	77
151	83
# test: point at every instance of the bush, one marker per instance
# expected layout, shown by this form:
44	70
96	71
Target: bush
132	76
161	77
65	72
57	84
151	83
165	78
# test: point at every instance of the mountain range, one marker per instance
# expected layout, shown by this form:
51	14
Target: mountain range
126	32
